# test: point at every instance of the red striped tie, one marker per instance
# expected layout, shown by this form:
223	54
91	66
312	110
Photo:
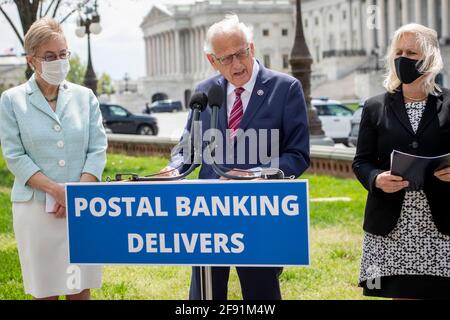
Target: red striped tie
236	113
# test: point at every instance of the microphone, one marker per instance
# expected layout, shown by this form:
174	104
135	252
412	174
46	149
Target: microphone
197	103
216	98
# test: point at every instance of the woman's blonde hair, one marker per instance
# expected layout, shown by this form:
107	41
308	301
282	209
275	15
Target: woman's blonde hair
428	43
41	31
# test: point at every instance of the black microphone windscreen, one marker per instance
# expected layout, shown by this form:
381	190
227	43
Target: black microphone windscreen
215	96
198	100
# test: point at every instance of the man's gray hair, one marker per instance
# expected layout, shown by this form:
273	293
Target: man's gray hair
230	24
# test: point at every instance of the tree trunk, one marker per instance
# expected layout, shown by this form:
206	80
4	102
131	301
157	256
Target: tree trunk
28	14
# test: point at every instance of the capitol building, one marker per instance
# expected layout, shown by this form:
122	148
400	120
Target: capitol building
346	38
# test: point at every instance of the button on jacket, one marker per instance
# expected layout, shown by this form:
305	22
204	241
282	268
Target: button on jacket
62	144
385	126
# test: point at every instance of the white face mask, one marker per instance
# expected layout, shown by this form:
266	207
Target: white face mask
54	72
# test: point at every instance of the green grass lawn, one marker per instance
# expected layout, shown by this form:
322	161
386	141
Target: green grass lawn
336	237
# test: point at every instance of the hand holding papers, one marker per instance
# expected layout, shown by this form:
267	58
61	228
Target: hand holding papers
416	169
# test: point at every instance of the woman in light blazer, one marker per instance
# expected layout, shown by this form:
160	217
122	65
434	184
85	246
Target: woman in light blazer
51	132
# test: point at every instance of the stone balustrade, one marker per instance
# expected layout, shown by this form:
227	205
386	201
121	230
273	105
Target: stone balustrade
325	160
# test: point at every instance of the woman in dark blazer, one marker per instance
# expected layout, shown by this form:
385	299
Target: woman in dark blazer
406	249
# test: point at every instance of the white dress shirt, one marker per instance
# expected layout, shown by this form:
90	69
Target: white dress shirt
245	96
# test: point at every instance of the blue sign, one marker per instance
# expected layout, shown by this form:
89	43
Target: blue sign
202	222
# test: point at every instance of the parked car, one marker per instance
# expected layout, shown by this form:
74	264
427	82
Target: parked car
166	106
335	119
354	126
120	120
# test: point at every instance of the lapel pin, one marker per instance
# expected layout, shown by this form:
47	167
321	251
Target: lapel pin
260	92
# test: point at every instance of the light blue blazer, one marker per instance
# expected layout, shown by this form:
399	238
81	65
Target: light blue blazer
62	144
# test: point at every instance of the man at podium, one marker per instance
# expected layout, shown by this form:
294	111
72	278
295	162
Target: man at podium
259	100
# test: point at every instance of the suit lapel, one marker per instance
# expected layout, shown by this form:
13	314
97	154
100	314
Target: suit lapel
434	105
259	94
37	99
64	96
397	105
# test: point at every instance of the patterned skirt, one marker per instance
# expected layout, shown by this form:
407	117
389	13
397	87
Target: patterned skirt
413	261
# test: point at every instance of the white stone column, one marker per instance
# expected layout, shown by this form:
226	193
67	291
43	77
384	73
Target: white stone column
405	11
198	52
147	56
382	31
150	57
192	51
195	52
167	53
392	18
157	55
338	16
162	51
184	52
418	11
431	9
205	59
351	43
172	53
370	32
150	60
444	19
326	44
161	54
187	51
177	48
154	48
192	47
359	22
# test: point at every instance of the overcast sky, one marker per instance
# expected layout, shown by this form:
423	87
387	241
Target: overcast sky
119	49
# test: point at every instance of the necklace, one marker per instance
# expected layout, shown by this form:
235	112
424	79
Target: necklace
413	99
51	99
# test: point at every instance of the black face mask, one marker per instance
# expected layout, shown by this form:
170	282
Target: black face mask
407	69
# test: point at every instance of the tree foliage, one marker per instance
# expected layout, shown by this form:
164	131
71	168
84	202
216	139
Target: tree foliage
77	70
31	10
104	85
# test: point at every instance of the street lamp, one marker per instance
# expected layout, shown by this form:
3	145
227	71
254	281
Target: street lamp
376	53
126	78
301	62
88	24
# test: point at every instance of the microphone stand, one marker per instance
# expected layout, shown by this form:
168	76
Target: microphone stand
206	271
218	170
194	151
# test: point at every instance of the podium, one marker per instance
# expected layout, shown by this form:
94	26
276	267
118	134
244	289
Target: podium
189	222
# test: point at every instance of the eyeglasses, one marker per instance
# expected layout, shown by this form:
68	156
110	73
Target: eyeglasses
228	59
52	57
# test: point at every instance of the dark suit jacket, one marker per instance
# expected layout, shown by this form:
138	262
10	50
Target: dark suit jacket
385	126
280	104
